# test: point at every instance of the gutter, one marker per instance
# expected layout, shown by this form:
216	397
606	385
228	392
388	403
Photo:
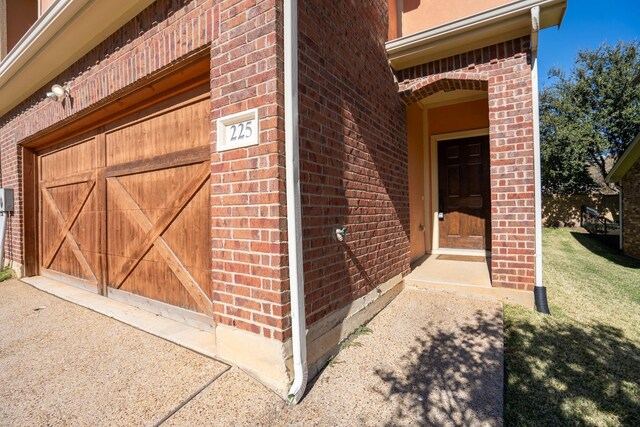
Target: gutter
540	291
294	206
498	24
67	31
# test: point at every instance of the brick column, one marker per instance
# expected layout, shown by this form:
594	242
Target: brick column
247	184
512	180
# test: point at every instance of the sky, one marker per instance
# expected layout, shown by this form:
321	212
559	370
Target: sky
586	25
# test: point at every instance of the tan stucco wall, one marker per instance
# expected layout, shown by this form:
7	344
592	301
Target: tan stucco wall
451	118
416	180
459	117
418	15
393	32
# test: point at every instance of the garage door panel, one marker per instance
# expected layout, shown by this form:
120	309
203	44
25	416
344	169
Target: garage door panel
49	226
155	191
86	231
174	131
156	281
66	198
66	262
122	231
154	226
130	208
63	223
187	235
76	263
73	160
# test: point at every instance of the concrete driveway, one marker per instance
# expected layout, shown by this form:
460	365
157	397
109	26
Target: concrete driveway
430	359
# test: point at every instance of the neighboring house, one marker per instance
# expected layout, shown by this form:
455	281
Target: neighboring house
560	210
626	172
162	169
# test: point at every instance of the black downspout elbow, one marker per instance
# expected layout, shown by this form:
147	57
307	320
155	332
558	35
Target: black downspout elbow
540	297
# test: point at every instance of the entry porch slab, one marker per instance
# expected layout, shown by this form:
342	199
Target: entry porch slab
462	275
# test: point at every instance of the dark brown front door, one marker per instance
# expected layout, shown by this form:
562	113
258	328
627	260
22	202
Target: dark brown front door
464	196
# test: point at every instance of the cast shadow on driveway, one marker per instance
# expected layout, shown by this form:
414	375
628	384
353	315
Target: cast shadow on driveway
452	377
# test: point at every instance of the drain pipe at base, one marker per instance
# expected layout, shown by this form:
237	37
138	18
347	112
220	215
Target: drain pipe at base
540	292
294	209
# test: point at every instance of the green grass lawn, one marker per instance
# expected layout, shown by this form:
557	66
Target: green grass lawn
581	365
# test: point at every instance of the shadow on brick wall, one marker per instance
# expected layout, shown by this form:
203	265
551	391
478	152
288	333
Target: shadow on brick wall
353	155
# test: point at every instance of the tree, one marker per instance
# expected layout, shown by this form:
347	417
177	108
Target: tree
589	116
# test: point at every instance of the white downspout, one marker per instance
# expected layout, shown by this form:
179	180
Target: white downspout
540	292
620	216
294	209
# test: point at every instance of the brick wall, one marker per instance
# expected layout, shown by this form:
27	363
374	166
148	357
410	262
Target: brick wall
353	154
248	192
11	177
245	39
504	71
631	211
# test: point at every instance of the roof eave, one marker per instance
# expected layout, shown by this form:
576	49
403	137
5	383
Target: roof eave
59	38
493	26
625	162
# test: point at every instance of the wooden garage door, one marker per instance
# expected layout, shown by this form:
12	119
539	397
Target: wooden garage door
127	210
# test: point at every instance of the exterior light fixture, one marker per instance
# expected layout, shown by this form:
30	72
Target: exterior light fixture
58	93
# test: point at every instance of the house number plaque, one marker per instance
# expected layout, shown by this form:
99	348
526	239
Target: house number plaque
237	130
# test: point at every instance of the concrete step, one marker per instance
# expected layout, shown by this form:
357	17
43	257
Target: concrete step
509	296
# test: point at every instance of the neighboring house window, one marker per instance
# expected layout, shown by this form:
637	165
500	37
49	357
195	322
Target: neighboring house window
16	17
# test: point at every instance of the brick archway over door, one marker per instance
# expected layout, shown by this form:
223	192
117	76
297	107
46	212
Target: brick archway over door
504	71
427	86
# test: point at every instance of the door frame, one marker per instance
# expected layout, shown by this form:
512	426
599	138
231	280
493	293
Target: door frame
432	214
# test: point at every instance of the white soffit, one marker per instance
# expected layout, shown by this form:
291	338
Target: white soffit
490	27
67	31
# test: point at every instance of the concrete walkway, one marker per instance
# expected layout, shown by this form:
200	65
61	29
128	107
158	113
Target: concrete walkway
431	359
